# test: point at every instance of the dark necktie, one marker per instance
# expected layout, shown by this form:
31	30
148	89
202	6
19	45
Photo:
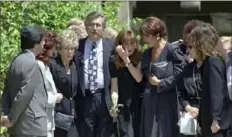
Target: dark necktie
93	68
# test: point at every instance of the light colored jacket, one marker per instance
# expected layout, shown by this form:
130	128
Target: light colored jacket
26	95
51	91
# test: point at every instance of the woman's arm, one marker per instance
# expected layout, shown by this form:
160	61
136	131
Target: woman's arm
114	91
114	81
135	71
182	92
216	86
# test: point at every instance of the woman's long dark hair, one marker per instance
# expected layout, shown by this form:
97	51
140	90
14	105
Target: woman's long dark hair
122	37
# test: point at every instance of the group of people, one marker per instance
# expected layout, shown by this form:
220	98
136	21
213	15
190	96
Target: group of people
80	84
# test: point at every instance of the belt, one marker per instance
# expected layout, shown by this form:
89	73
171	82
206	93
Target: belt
89	92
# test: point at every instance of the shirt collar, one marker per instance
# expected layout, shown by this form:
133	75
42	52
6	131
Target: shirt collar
32	53
91	42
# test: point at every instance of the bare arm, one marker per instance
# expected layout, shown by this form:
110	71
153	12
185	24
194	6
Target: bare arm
114	90
135	71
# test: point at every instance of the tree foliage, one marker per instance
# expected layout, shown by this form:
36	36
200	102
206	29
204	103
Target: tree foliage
50	15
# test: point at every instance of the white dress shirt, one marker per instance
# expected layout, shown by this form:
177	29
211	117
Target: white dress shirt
100	76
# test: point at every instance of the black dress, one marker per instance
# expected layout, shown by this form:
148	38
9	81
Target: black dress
189	87
160	105
67	85
129	96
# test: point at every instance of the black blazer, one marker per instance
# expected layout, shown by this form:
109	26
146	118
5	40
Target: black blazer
215	102
79	60
60	78
186	87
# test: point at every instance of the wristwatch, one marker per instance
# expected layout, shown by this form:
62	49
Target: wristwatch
128	64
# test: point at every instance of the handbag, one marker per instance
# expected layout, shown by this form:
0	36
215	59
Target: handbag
188	124
64	121
162	69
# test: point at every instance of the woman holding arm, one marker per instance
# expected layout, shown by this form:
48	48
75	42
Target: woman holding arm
161	64
125	82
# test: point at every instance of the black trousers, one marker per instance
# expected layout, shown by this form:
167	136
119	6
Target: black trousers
128	120
95	121
73	132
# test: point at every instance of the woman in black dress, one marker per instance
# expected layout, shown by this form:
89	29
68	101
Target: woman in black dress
161	64
189	88
65	77
215	107
189	85
125	82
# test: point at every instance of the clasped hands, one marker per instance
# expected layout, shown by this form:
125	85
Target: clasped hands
5	122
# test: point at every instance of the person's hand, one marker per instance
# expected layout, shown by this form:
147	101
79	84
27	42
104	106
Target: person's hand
215	127
154	80
59	97
121	52
178	41
5	121
192	110
114	97
113	113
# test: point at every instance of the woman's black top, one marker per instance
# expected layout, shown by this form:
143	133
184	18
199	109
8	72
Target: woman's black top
128	87
189	85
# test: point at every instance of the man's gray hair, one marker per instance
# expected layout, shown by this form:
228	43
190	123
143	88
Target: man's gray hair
93	15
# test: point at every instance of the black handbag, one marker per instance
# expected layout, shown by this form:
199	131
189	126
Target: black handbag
64	121
162	69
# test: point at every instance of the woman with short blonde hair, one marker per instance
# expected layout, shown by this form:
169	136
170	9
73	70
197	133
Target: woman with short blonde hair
65	76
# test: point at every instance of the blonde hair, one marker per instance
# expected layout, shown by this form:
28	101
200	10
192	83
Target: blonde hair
76	22
109	33
226	42
79	30
67	39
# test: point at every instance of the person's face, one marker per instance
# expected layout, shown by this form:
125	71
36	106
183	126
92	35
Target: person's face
95	28
192	52
227	45
67	53
129	46
150	40
39	48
